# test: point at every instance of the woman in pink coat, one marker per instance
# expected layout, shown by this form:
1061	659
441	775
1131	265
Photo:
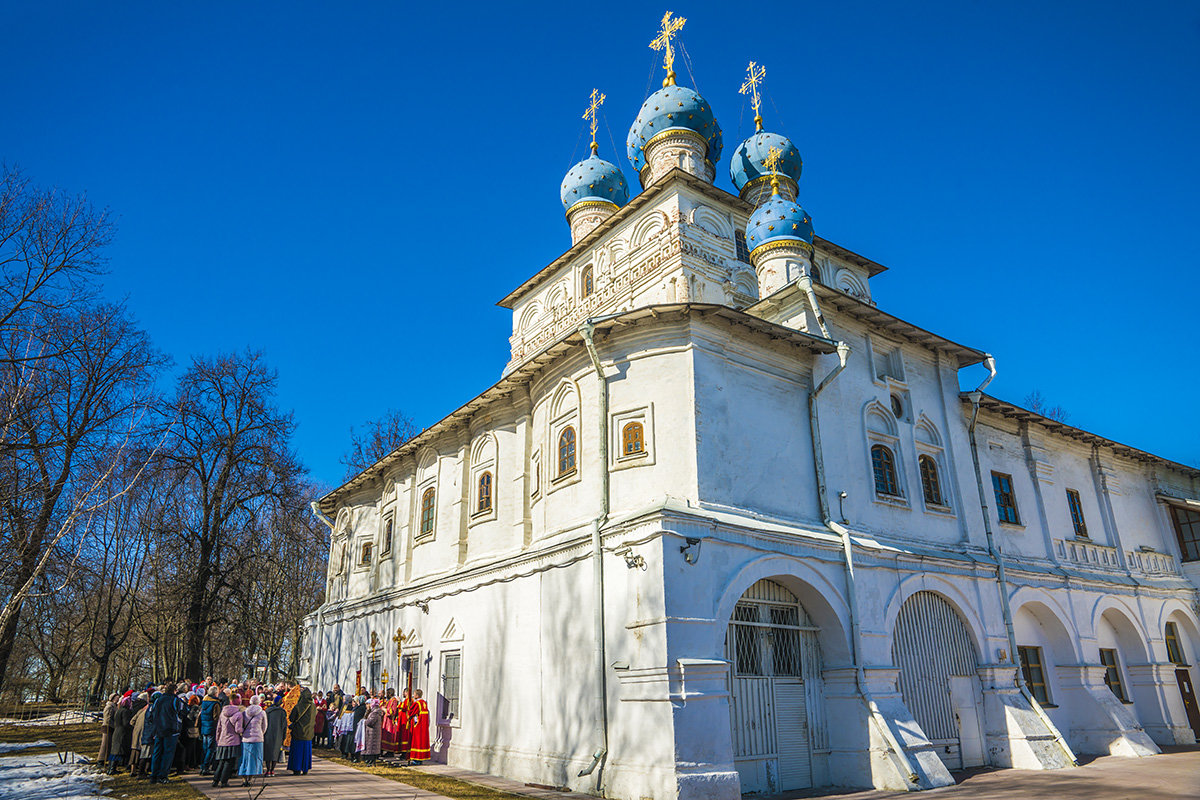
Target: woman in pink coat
229	741
254	728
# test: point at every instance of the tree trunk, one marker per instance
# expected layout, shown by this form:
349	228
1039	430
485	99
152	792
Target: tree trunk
8	637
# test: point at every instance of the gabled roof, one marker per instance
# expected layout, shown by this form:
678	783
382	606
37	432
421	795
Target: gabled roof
1013	411
878	320
645	197
524	371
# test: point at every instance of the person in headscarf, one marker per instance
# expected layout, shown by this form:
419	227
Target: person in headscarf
229	742
136	747
300	724
273	739
118	749
254	730
107	722
210	711
372	732
345	731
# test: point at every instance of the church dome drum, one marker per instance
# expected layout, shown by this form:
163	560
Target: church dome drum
747	165
673	107
778	220
595	180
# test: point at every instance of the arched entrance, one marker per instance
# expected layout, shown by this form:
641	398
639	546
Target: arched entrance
938	678
775	689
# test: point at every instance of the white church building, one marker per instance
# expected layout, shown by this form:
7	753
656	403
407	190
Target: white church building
728	526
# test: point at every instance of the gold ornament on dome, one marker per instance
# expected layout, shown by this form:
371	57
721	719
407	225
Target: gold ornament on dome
771	162
754	76
668	28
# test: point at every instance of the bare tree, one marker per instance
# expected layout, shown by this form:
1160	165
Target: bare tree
1038	404
231	454
377	439
73	420
51	245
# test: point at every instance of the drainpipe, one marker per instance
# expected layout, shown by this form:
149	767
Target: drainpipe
586	331
1001	574
843	350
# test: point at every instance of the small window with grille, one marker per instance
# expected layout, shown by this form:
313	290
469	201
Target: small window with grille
931	485
883	464
451	687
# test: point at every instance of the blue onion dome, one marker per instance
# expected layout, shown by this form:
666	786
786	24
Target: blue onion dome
673	107
596	180
747	165
778	220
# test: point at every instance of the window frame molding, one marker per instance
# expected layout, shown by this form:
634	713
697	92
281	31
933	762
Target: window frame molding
1042	668
483	461
361	544
644	415
935	456
1019	524
387	517
1082	521
1115	668
564	417
901	500
455	648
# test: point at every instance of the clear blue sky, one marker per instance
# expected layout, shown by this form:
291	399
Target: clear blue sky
352	186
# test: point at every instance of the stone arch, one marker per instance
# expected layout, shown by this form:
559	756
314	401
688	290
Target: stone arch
1187	628
530	316
1041	609
426	464
560	295
712	221
564	400
820	597
484	449
746	283
879	418
649	227
850	283
1111	614
926	432
948	591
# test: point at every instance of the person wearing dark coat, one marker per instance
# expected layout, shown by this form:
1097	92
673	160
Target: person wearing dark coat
360	711
210	710
302	720
166	726
372	733
273	740
122	735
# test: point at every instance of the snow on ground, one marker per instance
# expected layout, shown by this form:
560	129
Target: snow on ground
43	777
61	718
8	747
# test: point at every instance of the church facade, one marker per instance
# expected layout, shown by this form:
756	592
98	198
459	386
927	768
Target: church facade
725	525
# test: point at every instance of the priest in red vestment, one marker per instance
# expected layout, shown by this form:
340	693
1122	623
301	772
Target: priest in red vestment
405	733
390	739
419	723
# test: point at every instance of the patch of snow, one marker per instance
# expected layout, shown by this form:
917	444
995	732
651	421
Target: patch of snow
12	747
44	777
61	718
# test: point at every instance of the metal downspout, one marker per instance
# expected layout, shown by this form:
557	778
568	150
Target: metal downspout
586	331
860	682
1001	574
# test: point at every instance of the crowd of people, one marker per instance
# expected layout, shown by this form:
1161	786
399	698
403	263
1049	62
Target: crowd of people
245	729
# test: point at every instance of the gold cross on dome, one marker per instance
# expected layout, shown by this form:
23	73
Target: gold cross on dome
754	76
668	28
772	162
590	114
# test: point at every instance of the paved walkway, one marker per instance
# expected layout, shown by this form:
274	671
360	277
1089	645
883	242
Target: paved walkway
329	780
1171	776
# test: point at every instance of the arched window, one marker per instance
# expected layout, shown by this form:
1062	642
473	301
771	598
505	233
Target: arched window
566	451
484	500
586	283
428	500
364	556
1174	651
884	465
633	439
931	485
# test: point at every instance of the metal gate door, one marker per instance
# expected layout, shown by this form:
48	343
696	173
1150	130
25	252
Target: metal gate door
772	645
931	646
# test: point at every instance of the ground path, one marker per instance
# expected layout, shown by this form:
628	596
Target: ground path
330	781
1175	774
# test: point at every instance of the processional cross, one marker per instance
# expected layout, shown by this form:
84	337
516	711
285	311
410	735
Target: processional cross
590	114
668	28
754	76
398	640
